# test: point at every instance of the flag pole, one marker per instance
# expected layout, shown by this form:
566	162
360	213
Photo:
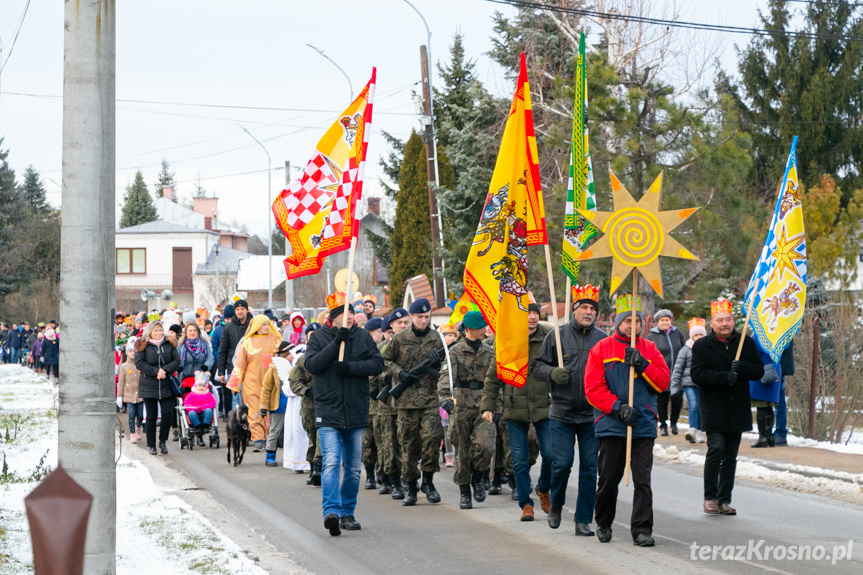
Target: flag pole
568	307
348	289
553	306
746	323
631	369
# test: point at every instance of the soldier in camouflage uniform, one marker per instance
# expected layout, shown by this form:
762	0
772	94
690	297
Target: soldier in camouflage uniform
370	448
473	437
300	382
386	425
419	426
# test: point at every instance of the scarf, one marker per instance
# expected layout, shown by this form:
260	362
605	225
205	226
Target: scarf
196	347
156	342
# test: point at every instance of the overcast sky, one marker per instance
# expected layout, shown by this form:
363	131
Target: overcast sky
225	57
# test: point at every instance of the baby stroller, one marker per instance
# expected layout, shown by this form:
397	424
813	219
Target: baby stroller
189	434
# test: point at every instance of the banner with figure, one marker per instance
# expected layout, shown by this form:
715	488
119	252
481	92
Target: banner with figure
513	218
778	284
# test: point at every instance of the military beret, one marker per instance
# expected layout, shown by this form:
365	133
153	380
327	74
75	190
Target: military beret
421	305
312	327
373	324
399	313
385	323
474	320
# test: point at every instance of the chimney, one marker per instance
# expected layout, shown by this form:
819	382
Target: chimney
168	192
374	206
208	223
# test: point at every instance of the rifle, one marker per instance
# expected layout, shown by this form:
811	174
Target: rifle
424	366
384	394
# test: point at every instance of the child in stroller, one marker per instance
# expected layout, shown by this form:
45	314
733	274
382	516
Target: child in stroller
199	404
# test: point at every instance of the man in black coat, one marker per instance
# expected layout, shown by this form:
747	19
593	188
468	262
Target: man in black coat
232	333
341	408
723	387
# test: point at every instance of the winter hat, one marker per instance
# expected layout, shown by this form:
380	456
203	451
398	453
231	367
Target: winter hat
696	330
188	317
373	324
623	306
269	313
663	313
533	307
229	311
285	347
241	303
50	335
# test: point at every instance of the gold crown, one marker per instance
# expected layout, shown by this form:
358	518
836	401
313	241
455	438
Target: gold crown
371	298
586	291
721	305
697	321
154	316
623	303
335	300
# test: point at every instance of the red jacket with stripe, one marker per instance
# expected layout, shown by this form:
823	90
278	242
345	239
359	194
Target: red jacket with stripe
606	384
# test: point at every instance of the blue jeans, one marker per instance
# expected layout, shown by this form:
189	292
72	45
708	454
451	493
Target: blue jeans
206	417
520	456
563	446
781	413
15	354
692	402
340	448
136	415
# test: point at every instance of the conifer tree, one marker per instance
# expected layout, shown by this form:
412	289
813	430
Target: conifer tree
11	206
138	206
165	178
33	192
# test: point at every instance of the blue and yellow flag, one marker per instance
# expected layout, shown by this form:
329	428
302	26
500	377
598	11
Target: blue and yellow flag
779	280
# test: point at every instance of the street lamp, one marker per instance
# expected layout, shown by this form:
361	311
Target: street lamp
269	221
350	86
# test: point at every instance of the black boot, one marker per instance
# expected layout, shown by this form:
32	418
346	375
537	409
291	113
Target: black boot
411	495
386	486
396	491
427	487
370	477
769	419
478	486
464	501
760	416
485	480
495	484
317	467
379	477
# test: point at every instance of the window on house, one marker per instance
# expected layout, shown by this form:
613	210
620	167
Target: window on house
131	260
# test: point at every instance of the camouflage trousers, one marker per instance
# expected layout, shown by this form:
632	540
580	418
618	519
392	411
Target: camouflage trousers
419	434
370	447
503	453
474	442
386	439
314	452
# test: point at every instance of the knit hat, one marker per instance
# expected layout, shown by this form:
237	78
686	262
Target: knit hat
229	311
50	335
696	330
240	303
623	306
373	324
339	310
188	317
285	347
533	307
662	313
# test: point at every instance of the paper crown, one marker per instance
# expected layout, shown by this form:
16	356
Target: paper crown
371	298
697	321
623	303
153	316
335	300
721	305
586	291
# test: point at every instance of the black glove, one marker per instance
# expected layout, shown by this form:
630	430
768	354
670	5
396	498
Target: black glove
735	366
342	334
374	392
407	378
626	414
388	379
263	412
310	394
434	357
634	358
559	375
448	405
204	368
496	417
732	377
342	368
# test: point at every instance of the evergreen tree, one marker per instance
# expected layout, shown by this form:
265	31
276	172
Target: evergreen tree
33	192
11	205
138	206
165	178
806	86
411	238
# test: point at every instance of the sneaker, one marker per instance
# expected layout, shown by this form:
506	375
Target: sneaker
690	435
544	500
644	540
527	513
258	446
331	522
699	437
348	523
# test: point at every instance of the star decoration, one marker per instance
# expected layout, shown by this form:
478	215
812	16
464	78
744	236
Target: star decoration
636	234
786	254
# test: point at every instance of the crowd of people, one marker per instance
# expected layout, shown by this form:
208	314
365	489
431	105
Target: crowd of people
357	389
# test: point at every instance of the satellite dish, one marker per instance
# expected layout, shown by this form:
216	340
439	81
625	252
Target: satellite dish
341	280
146	294
166	294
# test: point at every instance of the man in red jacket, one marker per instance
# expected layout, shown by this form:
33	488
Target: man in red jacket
606	384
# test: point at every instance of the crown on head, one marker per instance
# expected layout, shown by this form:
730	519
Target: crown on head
585	291
335	300
721	305
697	321
371	298
623	303
153	316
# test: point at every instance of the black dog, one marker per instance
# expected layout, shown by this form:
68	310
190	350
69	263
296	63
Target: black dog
238	433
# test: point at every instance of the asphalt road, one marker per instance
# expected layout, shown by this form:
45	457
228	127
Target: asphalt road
276	518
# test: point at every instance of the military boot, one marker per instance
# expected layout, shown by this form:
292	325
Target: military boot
386	487
427	487
396	487
478	486
370	477
485	480
495	483
316	472
411	495
464	501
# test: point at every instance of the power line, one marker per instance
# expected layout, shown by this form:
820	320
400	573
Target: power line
15	38
676	23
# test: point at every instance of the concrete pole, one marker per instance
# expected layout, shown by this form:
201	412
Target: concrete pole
87	266
432	179
289	284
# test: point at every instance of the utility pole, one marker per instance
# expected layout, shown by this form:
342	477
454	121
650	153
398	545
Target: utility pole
289	284
431	165
87	265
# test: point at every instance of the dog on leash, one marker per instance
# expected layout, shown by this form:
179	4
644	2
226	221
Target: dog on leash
239	433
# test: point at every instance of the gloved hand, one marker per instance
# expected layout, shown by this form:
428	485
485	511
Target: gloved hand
407	378
626	414
448	405
735	366
496	417
120	402
560	375
342	368
342	334
310	394
434	357
263	412
634	358
204	368
732	377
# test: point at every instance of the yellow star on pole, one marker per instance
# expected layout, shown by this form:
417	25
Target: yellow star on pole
786	254
636	234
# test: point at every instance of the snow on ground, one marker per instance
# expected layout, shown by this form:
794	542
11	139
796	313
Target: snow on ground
155	530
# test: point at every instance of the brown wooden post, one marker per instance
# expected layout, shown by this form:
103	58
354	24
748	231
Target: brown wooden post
813	385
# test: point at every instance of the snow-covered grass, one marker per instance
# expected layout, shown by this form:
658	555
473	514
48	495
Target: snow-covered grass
155	532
